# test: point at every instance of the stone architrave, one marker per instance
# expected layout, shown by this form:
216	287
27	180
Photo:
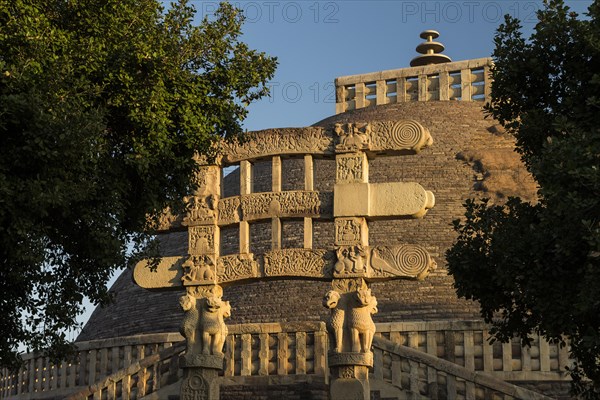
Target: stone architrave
353	260
270	142
394	199
296	203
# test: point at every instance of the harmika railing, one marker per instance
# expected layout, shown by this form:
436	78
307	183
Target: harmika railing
467	80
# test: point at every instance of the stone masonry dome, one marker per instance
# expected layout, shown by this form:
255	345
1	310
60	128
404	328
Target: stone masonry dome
470	157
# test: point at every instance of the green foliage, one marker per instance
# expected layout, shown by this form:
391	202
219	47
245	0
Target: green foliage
536	267
103	105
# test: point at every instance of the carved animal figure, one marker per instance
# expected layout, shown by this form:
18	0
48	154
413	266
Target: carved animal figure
190	322
212	326
335	327
360	323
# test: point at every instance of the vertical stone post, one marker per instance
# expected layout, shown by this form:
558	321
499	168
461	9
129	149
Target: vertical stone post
350	327
351	330
203	324
205	332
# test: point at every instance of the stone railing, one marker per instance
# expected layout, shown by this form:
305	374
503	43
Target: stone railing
467	80
420	374
39	378
140	379
465	343
276	349
130	367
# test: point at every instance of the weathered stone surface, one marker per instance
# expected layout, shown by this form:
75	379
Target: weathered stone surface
396	199
168	273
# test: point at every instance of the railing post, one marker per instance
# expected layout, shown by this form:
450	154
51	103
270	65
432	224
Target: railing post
422	90
341	104
381	90
487	85
444	84
263	354
321	353
465	84
359	95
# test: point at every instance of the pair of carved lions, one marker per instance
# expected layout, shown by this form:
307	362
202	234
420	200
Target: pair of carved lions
351	327
203	324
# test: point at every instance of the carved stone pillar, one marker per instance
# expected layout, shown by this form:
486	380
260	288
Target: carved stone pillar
205	332
203	324
351	331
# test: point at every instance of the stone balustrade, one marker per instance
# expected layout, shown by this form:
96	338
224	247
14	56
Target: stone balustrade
461	80
421	374
129	367
39	378
135	365
465	343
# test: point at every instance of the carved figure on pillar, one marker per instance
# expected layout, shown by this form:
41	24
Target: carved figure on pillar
189	325
352	261
360	323
203	324
335	325
212	325
205	331
198	270
351	326
200	209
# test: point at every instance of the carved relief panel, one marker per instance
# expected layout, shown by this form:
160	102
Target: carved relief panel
203	239
310	140
298	262
208	179
296	203
352	168
201	210
351	231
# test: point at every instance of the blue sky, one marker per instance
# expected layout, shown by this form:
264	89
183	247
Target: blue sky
317	41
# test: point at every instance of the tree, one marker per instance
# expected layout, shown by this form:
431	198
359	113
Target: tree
536	267
103	105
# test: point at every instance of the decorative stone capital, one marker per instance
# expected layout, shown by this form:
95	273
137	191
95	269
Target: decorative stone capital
340	359
210	361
